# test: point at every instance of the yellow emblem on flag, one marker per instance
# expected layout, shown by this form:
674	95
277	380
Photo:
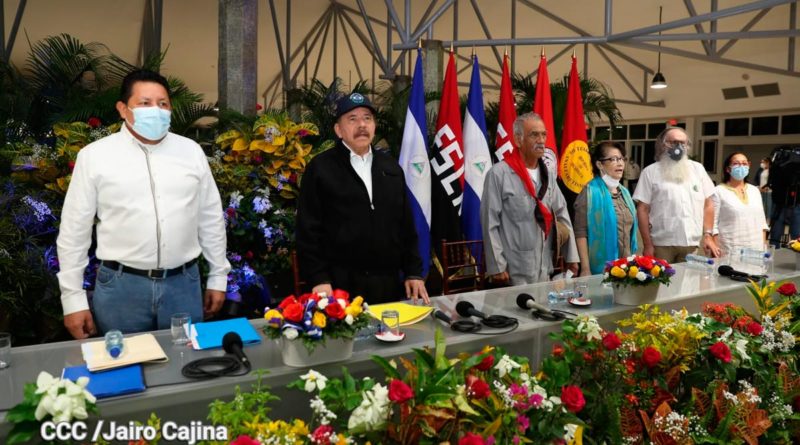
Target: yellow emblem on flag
576	166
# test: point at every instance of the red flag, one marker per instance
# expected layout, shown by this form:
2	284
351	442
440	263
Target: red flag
507	114
543	106
576	166
447	163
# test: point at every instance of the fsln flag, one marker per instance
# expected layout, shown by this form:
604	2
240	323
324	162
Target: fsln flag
507	114
414	162
576	166
543	106
477	159
447	163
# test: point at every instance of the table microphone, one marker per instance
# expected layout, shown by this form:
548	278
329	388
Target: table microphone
466	309
442	316
737	275
232	344
526	301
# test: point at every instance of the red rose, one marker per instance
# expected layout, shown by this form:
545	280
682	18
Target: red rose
335	311
754	328
249	254
644	262
787	289
287	301
257	159
558	350
611	341
305	298
245	440
399	392
572	398
721	351
293	312
259	107
477	388
471	439
94	122
339	294
651	356
485	364
231	212
71	165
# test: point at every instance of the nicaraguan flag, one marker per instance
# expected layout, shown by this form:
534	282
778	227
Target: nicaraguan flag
477	158
415	164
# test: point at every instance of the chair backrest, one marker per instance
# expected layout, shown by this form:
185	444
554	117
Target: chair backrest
298	283
463	266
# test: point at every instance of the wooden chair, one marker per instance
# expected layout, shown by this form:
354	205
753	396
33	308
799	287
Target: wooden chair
463	266
298	283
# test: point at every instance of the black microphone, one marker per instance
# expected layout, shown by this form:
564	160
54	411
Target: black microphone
466	309
737	275
442	316
526	301
232	344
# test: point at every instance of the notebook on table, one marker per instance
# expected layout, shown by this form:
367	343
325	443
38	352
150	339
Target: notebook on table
409	313
137	348
209	335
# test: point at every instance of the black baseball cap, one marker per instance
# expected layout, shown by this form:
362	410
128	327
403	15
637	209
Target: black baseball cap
351	102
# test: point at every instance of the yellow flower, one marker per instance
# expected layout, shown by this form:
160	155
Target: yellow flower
633	271
656	271
617	272
319	320
274	318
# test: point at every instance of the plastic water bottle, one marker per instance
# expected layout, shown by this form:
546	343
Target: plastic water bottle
114	343
554	297
700	262
755	254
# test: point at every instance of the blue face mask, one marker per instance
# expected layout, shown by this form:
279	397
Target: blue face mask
740	172
151	122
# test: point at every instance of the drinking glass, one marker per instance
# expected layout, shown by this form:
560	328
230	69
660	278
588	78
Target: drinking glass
179	324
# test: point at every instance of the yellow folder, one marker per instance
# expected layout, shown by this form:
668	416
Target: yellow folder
135	349
409	313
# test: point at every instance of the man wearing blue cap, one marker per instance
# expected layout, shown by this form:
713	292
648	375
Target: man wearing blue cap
354	226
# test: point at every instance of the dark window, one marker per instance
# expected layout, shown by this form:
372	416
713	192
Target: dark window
620	133
649	153
681	125
765	125
737	127
601	133
639	131
710	155
711	128
653	130
790	124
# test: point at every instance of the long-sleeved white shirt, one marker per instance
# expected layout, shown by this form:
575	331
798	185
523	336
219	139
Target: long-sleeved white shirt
157	206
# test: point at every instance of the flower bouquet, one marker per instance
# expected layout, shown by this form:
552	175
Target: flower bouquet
312	319
636	278
49	399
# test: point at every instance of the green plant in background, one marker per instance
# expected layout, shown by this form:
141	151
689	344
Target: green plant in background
245	410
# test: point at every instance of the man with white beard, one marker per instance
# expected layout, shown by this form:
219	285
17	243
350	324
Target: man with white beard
674	204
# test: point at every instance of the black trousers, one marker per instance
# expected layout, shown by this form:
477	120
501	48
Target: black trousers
376	287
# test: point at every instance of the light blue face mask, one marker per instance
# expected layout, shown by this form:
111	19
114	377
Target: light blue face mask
151	122
740	172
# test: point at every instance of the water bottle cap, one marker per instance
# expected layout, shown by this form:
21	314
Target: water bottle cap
710	261
767	254
115	351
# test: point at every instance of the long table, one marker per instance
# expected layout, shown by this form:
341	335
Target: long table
176	398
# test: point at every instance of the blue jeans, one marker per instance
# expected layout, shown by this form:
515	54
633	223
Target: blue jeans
132	303
781	217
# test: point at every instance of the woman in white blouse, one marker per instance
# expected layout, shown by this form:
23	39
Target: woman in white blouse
738	213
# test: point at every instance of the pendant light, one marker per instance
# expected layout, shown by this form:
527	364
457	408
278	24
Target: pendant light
659	81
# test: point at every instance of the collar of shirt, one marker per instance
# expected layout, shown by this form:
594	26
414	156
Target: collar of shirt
363	167
149	147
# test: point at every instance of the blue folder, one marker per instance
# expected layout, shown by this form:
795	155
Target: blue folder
114	382
209	334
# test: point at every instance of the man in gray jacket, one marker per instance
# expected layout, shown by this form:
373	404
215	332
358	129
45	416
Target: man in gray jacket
520	207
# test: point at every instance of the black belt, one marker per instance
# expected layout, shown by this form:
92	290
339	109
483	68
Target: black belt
155	274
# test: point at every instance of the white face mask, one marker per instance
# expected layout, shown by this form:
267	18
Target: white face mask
612	183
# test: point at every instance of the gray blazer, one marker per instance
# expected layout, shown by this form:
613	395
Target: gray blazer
513	241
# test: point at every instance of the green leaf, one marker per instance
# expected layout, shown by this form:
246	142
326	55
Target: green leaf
22	433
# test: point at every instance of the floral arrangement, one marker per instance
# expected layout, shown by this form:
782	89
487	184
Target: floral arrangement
638	270
313	317
794	245
56	399
484	398
718	376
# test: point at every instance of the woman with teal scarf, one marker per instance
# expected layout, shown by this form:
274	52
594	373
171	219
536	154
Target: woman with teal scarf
605	216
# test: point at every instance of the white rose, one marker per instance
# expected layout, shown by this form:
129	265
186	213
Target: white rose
290	333
349	319
641	276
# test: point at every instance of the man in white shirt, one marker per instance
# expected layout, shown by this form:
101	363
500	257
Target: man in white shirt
156	207
674	203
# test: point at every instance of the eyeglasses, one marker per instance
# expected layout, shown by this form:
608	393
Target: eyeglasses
615	159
